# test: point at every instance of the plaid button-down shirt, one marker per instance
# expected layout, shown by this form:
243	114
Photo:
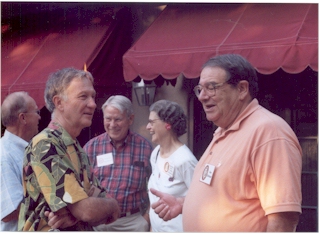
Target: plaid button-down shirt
125	179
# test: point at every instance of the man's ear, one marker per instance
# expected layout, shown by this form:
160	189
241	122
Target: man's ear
22	118
243	87
57	101
131	118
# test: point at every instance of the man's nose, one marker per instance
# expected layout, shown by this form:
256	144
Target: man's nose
92	103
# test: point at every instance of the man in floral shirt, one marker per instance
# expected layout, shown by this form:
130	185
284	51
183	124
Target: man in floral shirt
56	174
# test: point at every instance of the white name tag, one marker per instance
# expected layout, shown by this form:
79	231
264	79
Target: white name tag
169	169
104	160
207	174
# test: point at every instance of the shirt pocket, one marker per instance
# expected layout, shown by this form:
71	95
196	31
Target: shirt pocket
137	176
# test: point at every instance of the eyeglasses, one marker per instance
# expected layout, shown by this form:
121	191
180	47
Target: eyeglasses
151	121
36	111
210	88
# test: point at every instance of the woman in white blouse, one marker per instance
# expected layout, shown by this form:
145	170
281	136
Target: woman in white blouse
172	162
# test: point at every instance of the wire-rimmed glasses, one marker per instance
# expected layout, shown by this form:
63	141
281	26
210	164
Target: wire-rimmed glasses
210	88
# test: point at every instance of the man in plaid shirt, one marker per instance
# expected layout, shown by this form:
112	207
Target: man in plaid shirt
121	162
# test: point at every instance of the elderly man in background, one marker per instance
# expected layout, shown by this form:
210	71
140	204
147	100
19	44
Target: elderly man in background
121	161
249	177
56	171
20	116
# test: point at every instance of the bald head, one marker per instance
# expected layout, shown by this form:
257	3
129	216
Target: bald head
14	104
19	114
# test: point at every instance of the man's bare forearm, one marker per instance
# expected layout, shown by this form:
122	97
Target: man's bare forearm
95	210
14	215
283	222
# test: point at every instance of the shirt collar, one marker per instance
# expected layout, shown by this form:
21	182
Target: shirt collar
252	107
14	138
65	136
128	137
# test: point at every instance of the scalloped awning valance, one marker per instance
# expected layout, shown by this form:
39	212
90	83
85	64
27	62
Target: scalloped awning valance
184	36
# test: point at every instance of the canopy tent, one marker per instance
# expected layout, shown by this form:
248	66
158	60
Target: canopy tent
183	37
70	39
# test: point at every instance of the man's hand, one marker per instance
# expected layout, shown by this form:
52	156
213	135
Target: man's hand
114	216
168	206
14	215
60	219
146	217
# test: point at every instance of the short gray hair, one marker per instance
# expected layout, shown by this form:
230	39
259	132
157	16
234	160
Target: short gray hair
59	81
171	113
14	104
122	103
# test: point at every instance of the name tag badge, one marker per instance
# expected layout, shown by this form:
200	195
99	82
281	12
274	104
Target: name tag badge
207	174
104	159
169	169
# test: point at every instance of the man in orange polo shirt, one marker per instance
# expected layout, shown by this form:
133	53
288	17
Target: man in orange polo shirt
249	177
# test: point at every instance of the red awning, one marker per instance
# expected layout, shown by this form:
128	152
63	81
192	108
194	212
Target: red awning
183	37
28	59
